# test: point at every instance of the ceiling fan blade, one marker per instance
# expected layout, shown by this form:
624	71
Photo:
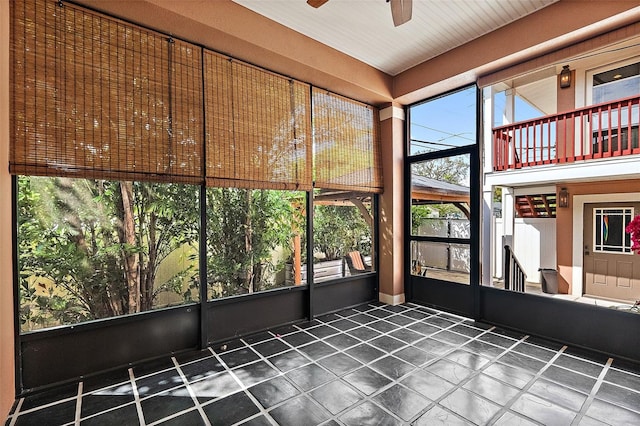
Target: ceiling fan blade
316	3
400	11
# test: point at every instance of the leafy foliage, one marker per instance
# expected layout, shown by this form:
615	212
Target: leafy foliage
448	169
633	228
244	229
73	251
338	230
92	249
419	213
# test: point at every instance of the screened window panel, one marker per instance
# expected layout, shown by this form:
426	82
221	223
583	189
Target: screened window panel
346	144
99	98
258	127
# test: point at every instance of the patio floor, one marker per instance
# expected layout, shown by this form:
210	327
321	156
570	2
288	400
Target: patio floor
374	364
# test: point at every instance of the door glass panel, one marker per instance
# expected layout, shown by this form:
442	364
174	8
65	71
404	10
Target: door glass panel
444	123
440	211
440	197
609	230
441	261
455	226
617	83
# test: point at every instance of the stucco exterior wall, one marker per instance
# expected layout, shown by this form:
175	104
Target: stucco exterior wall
391	211
564	223
7	360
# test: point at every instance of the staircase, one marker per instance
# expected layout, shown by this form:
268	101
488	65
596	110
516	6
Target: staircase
514	276
542	205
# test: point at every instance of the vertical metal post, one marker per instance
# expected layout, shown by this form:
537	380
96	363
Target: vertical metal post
407	167
16	285
310	280
309	209
475	207
202	257
507	267
202	260
375	249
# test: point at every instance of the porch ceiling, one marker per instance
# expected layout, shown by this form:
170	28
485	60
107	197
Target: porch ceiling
363	29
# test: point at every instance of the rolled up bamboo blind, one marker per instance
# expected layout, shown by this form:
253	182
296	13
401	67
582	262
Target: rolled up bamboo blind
258	127
94	97
346	140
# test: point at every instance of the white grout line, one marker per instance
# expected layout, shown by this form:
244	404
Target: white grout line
592	394
136	396
521	391
454	319
79	403
16	412
50	404
303	393
245	389
205	419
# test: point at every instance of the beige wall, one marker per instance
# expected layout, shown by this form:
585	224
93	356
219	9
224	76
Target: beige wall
566	101
566	98
391	212
7	362
564	222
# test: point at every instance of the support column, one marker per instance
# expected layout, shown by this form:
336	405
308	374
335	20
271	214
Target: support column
392	208
508	218
487	243
7	355
509	112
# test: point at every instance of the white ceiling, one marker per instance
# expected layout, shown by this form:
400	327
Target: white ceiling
364	29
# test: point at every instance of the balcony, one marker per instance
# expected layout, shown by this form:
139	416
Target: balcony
600	131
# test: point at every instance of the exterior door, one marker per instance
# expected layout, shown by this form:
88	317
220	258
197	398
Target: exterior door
442	221
611	269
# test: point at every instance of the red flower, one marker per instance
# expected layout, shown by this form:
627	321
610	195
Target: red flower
633	228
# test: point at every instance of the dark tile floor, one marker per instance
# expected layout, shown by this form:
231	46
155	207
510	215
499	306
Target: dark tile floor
371	365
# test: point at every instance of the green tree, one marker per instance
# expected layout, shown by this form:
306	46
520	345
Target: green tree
338	230
244	227
448	169
90	249
419	213
453	170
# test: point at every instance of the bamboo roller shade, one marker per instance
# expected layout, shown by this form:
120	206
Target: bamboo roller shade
258	127
346	143
96	97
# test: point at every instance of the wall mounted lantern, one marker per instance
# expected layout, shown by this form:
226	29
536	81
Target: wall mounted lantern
565	77
563	198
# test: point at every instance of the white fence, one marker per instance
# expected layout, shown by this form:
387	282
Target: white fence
451	257
534	244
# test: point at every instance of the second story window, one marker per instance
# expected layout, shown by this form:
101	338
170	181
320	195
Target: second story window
617	83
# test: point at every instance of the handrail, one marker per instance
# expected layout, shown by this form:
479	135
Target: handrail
514	276
604	130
